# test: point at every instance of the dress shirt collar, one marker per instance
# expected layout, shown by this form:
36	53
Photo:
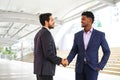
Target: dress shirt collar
89	30
46	28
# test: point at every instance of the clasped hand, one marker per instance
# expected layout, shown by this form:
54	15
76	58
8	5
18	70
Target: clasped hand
64	62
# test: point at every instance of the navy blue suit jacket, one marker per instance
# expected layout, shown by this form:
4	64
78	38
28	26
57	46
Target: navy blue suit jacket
45	57
91	53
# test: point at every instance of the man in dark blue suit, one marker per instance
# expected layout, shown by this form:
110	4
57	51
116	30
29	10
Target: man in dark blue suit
45	58
86	45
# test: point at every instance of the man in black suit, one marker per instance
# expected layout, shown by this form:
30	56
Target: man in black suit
45	58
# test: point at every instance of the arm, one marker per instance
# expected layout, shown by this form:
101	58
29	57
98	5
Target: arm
73	51
106	52
49	48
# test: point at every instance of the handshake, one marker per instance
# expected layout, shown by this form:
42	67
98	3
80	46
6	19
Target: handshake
64	62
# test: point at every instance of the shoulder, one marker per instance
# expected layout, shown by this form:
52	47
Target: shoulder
79	33
42	33
98	32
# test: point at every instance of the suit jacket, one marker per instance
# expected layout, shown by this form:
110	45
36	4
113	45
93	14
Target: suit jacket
91	53
45	57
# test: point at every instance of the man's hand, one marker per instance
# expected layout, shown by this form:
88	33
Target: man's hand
98	69
64	62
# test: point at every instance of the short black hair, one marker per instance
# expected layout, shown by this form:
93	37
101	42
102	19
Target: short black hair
44	17
88	14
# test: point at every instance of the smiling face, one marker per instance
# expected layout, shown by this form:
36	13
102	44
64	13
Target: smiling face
86	21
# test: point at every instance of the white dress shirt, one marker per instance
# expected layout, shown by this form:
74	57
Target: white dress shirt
86	38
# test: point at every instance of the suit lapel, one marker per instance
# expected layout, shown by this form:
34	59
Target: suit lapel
91	39
82	40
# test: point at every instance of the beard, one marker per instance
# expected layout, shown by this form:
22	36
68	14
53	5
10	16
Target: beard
50	27
84	25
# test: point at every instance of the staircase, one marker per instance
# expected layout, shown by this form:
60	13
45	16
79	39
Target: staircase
112	67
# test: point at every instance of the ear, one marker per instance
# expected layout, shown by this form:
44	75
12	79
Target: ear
46	22
90	20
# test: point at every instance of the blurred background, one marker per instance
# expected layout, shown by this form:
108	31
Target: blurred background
19	23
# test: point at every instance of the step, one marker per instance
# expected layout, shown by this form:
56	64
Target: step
103	71
114	61
117	54
113	65
113	57
110	72
109	64
112	69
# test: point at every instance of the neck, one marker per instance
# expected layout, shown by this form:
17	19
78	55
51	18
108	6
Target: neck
87	28
46	26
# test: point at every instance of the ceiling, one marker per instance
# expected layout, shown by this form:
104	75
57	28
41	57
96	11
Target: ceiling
19	18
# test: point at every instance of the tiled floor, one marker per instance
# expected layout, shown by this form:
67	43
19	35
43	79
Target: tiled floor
17	70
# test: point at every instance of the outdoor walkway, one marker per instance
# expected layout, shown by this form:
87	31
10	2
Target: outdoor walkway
17	70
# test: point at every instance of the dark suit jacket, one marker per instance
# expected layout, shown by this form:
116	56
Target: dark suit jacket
91	53
45	57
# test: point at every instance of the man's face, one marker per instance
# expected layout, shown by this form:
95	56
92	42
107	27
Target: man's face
51	23
85	21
